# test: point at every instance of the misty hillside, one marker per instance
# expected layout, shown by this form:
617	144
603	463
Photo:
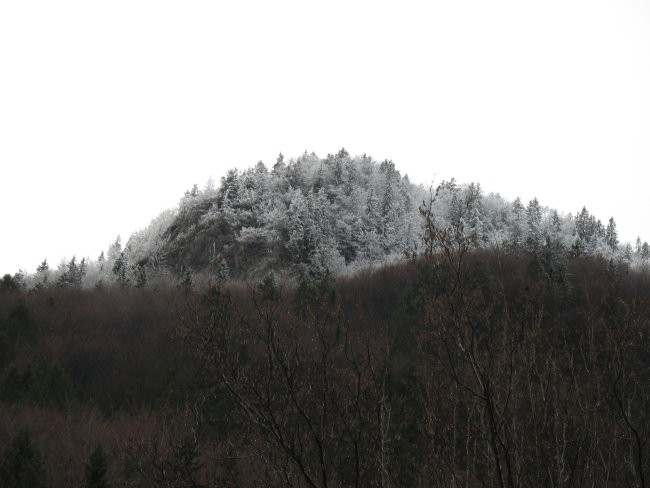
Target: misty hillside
312	216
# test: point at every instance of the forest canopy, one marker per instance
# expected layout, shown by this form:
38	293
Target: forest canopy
327	323
314	216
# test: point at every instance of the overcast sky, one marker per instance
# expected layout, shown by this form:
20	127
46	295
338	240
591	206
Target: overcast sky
109	111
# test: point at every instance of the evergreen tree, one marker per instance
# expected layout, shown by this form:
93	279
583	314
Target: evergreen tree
81	271
73	273
115	249
186	279
388	197
48	384
101	261
556	223
96	469
645	252
389	210
474	212
120	270
586	229
456	210
518	225
43	274
19	278
627	252
9	283
351	181
21	465
535	238
139	273
372	217
611	236
554	229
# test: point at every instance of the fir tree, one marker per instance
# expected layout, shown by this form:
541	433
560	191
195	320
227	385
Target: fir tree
43	274
645	252
96	469
535	237
22	465
611	236
9	283
518	229
115	249
627	252
586	229
474	212
120	270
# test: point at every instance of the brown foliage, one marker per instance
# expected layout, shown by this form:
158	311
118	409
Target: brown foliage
462	368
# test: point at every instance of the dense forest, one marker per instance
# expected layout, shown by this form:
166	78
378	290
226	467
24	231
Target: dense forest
327	323
310	216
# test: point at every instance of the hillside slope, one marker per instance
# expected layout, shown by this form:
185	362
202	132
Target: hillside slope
311	216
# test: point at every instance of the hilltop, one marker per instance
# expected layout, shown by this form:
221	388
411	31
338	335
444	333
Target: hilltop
311	216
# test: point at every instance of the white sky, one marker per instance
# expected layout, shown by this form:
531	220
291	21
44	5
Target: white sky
109	111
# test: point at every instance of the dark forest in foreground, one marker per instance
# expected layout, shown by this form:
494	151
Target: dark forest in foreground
460	367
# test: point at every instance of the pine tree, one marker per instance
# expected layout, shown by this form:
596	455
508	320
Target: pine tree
21	465
474	212
645	252
73	273
517	231
101	260
280	159
535	238
586	233
115	249
96	469
120	270
139	273
43	274
627	252
456	210
611	236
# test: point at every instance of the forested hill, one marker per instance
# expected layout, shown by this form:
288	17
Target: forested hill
304	214
507	351
311	215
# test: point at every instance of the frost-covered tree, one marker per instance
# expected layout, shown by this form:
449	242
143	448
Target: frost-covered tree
42	274
586	233
115	249
336	213
121	270
473	213
518	224
535	238
388	206
627	253
72	273
645	252
555	226
611	236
